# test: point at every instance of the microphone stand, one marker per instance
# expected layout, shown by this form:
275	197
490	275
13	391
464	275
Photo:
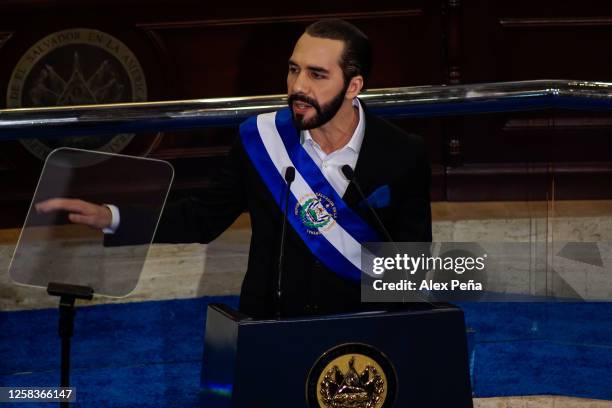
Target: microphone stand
289	177
350	176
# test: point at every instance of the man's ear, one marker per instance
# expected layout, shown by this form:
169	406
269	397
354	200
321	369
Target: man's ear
355	87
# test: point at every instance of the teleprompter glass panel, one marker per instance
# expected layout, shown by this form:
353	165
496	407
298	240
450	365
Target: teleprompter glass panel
580	261
53	248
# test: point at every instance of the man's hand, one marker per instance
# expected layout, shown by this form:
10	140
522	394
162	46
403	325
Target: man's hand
80	212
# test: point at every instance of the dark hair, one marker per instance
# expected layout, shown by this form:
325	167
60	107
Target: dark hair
357	55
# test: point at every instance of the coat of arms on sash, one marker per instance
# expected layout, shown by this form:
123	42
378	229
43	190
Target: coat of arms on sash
317	213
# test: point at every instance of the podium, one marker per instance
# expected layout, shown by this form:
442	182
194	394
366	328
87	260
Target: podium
385	359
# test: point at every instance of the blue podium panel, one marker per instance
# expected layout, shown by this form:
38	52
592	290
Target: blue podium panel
397	358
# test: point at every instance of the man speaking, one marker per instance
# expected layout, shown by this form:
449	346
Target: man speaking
318	179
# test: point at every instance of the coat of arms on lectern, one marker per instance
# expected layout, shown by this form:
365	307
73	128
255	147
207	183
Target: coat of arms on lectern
351	376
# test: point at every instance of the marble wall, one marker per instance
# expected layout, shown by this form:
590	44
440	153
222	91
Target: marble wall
191	270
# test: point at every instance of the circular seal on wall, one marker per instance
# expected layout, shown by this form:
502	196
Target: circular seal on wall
317	212
351	375
79	66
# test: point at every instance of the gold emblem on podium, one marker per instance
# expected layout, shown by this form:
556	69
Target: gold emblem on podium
351	376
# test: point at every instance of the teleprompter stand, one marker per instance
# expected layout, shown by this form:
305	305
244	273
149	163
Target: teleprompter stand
337	360
68	295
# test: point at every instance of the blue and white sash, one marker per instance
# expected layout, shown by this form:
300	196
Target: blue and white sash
332	230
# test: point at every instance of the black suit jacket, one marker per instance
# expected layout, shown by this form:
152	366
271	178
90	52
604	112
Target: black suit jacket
388	156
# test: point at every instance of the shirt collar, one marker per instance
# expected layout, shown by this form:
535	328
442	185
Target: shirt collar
357	138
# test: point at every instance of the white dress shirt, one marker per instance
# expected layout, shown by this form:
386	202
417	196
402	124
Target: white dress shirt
329	164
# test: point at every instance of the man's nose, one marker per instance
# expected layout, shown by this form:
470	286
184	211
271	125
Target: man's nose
300	84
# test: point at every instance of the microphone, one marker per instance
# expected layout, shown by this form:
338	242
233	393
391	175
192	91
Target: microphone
350	176
289	177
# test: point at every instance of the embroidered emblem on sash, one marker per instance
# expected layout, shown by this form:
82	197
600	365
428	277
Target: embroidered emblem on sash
317	212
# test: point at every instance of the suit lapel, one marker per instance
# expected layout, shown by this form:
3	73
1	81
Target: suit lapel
365	169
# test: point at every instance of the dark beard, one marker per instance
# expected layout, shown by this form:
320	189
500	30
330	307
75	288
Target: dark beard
324	113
